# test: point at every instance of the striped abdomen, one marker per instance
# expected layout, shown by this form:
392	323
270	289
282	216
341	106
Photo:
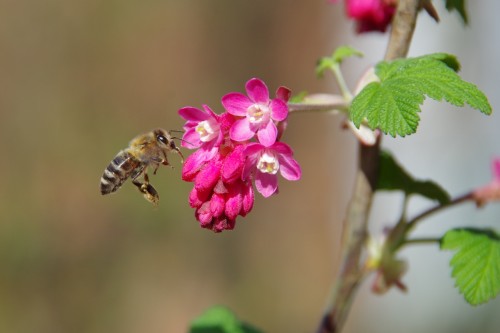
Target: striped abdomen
123	166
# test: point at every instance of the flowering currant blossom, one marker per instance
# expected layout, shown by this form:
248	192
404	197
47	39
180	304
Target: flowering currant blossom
265	162
258	112
224	166
490	192
370	15
202	129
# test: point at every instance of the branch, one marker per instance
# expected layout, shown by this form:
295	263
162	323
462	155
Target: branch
403	26
351	272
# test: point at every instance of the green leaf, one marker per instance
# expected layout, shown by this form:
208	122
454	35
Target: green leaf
219	319
344	52
448	59
339	55
459	6
298	98
393	104
476	264
392	176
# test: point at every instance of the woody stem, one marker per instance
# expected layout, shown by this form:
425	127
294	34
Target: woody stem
351	272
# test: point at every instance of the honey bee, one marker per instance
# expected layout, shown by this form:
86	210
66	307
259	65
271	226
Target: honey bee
145	150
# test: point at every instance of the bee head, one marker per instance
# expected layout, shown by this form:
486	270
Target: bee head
165	140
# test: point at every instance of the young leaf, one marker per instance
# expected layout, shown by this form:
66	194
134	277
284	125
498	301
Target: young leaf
393	104
220	320
476	264
392	176
459	6
339	55
343	52
323	65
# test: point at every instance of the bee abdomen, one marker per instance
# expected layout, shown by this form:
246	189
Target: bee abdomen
117	172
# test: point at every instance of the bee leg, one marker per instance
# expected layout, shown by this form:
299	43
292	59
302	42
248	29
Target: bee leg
156	169
150	194
159	161
165	160
148	191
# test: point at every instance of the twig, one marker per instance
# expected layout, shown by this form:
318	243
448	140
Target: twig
458	200
421	241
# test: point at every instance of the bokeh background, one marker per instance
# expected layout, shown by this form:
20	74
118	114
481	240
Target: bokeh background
80	78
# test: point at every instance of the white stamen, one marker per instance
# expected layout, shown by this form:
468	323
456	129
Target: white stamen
258	113
208	130
268	163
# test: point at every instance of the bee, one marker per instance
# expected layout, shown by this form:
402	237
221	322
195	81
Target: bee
145	150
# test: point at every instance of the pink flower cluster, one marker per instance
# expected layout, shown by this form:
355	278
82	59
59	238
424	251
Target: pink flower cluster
370	15
491	191
227	161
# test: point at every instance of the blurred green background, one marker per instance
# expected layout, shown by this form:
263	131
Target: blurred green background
78	80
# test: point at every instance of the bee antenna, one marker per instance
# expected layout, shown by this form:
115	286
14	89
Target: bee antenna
181	139
176	131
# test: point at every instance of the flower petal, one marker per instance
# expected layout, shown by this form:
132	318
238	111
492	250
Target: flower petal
251	152
226	121
248	168
193	114
289	168
190	124
209	111
252	149
279	110
236	103
267	135
266	183
248	199
241	131
489	192
257	91
282	148
191	139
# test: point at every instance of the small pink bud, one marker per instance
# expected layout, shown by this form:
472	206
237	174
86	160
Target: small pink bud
217	204
208	176
204	215
197	198
233	165
234	201
248	199
192	166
